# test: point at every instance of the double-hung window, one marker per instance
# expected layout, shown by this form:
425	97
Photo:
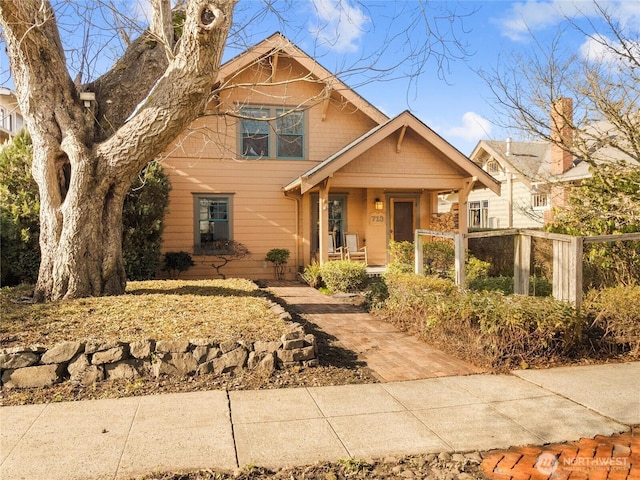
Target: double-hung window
269	132
214	228
479	214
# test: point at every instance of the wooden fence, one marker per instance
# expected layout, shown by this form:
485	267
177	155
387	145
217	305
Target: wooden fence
567	257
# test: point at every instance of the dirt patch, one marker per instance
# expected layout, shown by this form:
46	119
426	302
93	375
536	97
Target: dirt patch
443	466
338	366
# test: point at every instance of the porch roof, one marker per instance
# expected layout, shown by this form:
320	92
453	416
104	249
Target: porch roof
401	123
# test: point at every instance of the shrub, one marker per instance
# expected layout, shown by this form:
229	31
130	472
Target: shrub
312	275
411	296
279	258
539	287
606	203
177	262
402	254
439	257
343	275
19	213
143	222
614	315
376	293
476	269
489	329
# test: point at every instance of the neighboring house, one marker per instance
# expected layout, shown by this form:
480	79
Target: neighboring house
524	169
288	154
535	176
10	116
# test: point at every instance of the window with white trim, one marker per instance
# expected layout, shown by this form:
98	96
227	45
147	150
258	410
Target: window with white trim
270	132
539	201
214	225
479	214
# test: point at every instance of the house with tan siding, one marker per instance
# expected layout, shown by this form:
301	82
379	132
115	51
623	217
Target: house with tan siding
288	156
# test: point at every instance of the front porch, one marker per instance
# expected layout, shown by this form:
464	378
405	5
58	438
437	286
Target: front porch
381	188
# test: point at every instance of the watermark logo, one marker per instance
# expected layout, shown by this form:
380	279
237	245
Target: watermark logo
547	463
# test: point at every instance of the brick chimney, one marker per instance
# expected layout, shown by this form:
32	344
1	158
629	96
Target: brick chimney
562	135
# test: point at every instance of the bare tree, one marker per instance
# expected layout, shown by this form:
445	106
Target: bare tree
92	136
604	85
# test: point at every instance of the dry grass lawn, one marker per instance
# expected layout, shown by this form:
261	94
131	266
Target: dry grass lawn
220	310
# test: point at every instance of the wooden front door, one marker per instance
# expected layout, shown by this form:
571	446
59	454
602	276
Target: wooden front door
403	221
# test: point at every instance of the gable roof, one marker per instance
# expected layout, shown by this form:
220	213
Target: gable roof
329	166
279	44
530	159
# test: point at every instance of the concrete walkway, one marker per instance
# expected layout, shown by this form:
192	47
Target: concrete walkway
116	439
390	354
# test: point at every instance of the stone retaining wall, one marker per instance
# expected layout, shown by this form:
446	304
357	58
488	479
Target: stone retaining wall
90	362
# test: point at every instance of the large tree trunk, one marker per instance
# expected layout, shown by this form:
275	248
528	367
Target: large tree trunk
86	157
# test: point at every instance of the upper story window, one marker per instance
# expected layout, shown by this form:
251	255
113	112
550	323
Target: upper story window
270	132
493	167
539	200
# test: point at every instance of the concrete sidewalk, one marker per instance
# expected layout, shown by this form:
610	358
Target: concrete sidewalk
117	439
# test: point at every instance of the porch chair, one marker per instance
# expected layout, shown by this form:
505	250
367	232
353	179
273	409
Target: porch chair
354	251
334	253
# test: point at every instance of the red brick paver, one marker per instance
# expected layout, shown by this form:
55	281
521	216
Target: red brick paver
391	355
600	458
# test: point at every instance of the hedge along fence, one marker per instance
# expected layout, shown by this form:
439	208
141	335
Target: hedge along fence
568	253
489	329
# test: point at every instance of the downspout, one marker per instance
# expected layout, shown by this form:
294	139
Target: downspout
297	254
509	199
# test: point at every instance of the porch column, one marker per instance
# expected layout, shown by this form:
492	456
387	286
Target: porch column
323	219
463	204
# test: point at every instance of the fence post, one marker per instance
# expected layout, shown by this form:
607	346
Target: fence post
458	241
419	253
521	264
575	271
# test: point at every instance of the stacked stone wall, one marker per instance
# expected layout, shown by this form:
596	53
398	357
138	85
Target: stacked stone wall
93	361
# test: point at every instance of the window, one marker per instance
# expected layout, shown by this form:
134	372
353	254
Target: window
213	223
479	214
255	133
539	200
337	210
279	138
493	167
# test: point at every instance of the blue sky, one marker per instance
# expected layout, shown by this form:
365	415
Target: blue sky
459	105
343	34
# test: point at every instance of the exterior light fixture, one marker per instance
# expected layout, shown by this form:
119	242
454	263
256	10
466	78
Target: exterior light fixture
378	204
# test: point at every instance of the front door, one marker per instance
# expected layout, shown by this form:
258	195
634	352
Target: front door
403	221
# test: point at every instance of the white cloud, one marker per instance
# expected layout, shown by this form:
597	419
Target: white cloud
600	49
533	15
339	24
474	127
528	16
